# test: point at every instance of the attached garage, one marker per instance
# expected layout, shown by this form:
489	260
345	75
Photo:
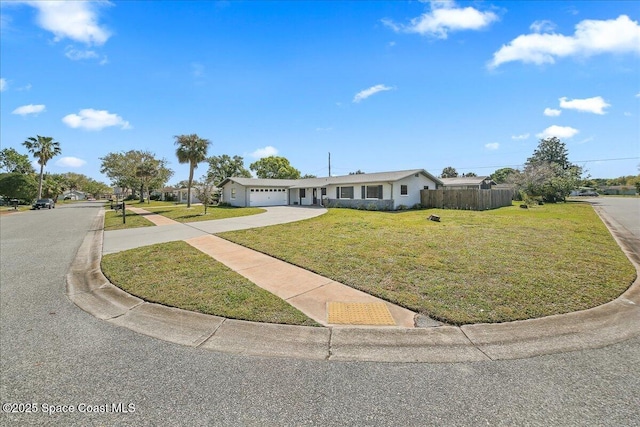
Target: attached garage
268	197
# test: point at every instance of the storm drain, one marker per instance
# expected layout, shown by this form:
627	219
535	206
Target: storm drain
359	313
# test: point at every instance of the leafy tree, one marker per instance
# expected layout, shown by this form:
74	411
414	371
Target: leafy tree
205	191
500	176
550	150
548	174
449	172
469	174
43	148
223	167
358	172
274	167
53	186
14	162
146	171
18	186
192	150
308	175
122	168
96	188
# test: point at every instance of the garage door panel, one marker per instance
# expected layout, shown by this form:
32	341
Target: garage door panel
267	197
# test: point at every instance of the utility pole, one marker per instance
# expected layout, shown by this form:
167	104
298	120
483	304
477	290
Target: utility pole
329	163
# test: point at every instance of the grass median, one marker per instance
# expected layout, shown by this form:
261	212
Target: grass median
492	266
181	213
178	275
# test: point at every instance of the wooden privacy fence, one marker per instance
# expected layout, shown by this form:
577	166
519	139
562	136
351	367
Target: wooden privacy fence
475	200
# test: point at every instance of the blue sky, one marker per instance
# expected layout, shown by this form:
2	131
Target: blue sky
382	85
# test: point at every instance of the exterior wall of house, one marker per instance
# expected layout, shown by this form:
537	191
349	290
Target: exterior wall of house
414	185
333	198
240	196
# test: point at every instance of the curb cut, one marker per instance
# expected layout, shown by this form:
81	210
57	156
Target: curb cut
597	327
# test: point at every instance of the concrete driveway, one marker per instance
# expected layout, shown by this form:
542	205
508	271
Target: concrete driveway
120	240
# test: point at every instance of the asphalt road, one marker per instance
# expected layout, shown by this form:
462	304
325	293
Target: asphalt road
52	353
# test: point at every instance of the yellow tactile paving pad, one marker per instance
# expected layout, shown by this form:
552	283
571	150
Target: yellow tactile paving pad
359	313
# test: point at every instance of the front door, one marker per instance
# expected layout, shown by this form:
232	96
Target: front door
315	196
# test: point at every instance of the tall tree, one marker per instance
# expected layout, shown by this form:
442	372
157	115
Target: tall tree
43	148
146	171
14	162
122	169
274	167
449	172
500	175
223	167
18	186
550	150
192	150
548	174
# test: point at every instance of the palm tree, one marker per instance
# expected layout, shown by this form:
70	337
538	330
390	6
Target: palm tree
193	150
43	148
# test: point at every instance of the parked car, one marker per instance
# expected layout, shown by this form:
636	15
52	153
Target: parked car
589	194
44	204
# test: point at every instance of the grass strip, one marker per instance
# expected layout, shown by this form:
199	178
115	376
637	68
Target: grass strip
113	220
178	275
472	267
181	213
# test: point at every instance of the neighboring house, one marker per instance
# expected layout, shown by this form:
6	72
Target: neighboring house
74	195
618	190
178	195
468	183
383	191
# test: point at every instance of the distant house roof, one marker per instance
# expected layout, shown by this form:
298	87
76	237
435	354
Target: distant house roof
332	180
465	180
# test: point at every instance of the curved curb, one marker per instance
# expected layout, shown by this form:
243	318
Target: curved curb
604	325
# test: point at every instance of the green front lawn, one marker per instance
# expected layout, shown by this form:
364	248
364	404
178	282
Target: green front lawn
492	266
179	275
181	213
113	220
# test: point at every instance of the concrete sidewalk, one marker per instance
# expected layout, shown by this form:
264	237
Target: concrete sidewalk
316	296
607	324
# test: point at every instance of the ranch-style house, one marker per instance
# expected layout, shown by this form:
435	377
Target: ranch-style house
379	191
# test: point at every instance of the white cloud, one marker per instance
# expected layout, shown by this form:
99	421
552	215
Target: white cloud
264	152
25	110
492	146
3	85
521	137
70	162
364	94
443	18
75	20
550	112
90	119
558	132
543	26
595	105
591	37
638	95
77	55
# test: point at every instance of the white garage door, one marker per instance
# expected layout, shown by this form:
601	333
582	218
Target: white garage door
267	197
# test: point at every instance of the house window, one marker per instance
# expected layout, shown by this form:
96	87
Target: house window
303	193
344	192
374	192
426	187
233	193
404	190
323	191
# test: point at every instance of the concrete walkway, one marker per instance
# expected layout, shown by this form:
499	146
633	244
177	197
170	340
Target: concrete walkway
317	297
601	326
